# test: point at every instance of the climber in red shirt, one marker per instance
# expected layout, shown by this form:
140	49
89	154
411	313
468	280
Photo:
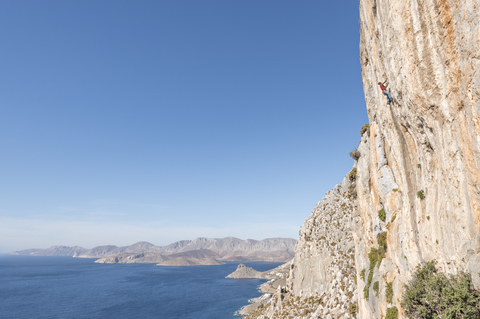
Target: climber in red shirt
383	87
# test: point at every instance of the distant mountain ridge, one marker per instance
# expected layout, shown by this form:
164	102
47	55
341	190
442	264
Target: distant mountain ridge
226	249
52	251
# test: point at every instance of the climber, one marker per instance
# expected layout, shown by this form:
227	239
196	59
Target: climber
383	87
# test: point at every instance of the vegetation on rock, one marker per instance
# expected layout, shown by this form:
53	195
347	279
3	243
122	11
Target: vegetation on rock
420	194
389	292
392	313
432	294
355	154
375	256
353	309
352	176
375	287
382	215
382	241
365	128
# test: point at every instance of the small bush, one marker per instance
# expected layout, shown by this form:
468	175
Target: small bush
355	154
352	176
395	190
362	274
353	309
392	313
393	218
382	215
375	256
382	240
432	294
365	292
389	292
419	166
352	193
375	287
365	128
420	194
428	217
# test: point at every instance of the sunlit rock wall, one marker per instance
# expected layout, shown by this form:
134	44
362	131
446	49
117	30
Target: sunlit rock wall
427	141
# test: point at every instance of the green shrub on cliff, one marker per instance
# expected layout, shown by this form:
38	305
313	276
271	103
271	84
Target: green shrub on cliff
355	154
375	287
353	309
392	313
432	294
365	292
365	128
389	292
382	241
352	176
382	215
420	194
375	256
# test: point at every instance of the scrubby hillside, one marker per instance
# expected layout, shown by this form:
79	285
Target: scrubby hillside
322	278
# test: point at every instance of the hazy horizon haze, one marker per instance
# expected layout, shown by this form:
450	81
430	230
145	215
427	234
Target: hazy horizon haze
162	121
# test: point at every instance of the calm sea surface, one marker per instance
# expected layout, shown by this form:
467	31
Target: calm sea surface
65	287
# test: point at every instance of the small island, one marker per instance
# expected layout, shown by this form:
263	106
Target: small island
277	281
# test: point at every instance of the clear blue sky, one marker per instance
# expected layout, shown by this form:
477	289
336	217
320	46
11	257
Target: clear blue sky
124	121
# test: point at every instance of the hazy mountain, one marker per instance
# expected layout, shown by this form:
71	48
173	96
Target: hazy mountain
52	251
226	249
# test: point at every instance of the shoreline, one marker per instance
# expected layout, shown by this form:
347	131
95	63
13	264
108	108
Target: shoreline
268	289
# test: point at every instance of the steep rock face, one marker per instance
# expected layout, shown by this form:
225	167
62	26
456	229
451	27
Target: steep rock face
424	145
418	178
321	281
325	249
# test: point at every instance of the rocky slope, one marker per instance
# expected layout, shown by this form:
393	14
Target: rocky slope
321	279
417	169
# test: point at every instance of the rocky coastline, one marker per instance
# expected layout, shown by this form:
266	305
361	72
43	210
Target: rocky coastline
276	283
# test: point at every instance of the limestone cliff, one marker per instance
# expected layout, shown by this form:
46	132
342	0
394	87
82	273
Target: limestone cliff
420	159
418	178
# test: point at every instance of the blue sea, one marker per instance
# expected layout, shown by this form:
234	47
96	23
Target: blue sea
66	287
